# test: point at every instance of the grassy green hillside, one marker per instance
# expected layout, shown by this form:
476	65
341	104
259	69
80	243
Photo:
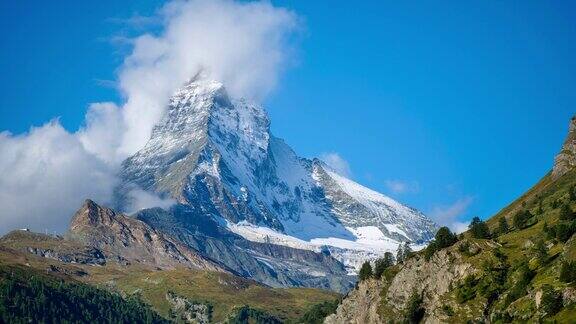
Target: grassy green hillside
173	294
225	292
525	271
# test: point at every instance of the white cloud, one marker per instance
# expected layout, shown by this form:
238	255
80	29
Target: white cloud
458	227
142	199
336	162
448	214
400	187
103	132
44	177
47	173
242	44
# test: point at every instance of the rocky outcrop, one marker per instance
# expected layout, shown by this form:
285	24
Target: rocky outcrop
385	300
88	255
133	240
189	311
431	279
360	305
566	159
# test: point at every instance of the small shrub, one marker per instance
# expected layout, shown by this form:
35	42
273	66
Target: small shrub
564	232
317	313
549	231
445	238
447	309
430	250
404	252
540	252
492	282
567	271
365	271
566	213
540	210
467	290
519	288
464	247
479	229
414	310
503	227
246	314
522	219
382	264
551	302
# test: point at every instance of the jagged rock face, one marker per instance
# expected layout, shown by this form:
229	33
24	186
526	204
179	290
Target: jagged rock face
566	159
383	301
357	206
360	306
432	279
132	240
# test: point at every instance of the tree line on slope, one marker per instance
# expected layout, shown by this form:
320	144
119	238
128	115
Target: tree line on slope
26	298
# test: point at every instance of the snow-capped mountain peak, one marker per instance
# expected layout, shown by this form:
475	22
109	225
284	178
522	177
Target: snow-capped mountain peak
216	155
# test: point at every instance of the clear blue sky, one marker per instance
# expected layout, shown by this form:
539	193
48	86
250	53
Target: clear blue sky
464	102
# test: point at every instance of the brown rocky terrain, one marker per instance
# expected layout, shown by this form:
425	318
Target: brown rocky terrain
129	240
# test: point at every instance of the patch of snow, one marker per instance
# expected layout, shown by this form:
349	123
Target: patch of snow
369	243
393	228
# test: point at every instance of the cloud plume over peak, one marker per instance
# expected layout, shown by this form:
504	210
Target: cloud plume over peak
46	173
245	45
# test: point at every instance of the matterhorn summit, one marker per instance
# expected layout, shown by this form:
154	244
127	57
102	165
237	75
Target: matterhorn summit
215	157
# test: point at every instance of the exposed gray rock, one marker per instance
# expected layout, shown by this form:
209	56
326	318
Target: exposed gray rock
360	306
89	255
566	159
189	311
430	279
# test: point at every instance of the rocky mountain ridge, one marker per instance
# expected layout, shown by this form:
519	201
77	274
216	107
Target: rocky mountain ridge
130	240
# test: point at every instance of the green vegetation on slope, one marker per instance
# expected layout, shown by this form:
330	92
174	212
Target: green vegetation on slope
224	297
226	293
317	313
522	263
519	268
29	297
